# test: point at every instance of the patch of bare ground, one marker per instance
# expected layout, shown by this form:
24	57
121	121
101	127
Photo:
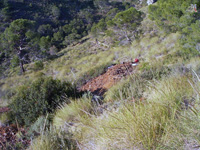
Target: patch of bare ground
114	74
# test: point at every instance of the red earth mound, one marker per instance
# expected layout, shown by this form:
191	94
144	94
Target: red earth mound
102	83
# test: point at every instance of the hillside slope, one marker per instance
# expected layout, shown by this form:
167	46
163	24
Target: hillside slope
108	103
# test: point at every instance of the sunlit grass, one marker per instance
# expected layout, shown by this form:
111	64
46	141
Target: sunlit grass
147	124
54	139
76	111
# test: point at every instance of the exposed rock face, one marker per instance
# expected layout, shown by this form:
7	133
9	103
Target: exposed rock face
149	2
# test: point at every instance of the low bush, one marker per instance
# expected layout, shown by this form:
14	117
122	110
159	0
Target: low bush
41	97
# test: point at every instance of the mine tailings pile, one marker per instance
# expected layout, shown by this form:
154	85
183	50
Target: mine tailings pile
102	83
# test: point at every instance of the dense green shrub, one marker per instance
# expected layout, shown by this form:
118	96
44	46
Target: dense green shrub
14	62
41	97
173	15
178	15
190	41
34	27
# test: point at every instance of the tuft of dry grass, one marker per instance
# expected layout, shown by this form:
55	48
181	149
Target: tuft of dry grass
54	139
150	124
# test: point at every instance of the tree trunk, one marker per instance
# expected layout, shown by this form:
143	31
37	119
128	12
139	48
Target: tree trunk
22	66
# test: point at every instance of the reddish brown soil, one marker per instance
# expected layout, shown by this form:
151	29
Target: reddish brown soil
102	83
8	137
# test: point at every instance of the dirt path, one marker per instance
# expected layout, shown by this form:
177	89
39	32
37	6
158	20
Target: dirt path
102	83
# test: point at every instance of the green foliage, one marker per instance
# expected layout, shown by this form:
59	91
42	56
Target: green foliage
39	126
99	27
73	31
128	19
190	41
173	15
129	89
58	36
103	5
122	23
59	24
15	61
41	97
6	13
154	123
74	112
127	22
45	30
56	12
15	35
45	43
38	65
154	71
182	18
111	14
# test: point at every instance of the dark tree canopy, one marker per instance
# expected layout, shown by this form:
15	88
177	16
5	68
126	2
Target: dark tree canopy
16	38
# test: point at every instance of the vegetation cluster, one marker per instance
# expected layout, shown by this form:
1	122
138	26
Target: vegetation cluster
50	48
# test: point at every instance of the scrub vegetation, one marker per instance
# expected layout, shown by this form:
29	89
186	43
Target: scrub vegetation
50	49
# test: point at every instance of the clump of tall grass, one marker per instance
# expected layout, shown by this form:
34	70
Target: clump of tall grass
148	124
127	89
135	85
77	111
54	139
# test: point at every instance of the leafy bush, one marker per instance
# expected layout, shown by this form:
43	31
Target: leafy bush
190	41
41	97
